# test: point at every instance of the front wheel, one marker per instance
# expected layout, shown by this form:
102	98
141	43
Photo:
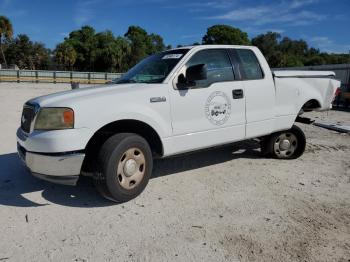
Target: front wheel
289	144
125	166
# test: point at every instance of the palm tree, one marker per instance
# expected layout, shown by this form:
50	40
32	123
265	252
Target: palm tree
66	55
6	32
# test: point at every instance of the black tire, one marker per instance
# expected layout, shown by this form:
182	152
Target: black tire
264	146
107	180
271	146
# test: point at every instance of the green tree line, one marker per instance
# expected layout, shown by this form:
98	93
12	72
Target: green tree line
87	50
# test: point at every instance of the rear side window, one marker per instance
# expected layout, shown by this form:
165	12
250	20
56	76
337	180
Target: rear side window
249	65
219	68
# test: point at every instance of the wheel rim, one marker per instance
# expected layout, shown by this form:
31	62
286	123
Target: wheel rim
131	168
285	145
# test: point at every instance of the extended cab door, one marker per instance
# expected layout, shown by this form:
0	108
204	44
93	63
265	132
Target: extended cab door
211	111
259	88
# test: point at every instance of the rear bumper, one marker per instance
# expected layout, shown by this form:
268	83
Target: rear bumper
60	168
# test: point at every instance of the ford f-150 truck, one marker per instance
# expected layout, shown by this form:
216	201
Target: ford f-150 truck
170	103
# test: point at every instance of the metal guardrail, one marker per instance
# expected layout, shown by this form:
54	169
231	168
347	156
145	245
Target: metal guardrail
43	76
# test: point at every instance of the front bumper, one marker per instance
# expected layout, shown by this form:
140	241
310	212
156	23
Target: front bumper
60	168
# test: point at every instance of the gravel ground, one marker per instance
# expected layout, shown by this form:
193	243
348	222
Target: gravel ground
227	204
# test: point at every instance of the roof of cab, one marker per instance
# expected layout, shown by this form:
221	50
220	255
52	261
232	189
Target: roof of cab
214	47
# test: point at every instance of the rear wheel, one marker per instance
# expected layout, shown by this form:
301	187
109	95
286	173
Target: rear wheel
289	144
125	166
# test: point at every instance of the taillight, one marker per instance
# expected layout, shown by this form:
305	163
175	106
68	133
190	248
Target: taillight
337	92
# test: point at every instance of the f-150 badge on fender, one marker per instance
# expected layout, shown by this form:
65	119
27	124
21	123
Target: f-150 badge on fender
218	108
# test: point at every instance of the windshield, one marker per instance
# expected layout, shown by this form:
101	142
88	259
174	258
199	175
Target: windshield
153	69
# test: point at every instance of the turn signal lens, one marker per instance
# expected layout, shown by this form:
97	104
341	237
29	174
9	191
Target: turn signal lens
68	117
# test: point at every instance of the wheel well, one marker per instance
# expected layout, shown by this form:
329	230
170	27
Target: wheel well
311	105
121	126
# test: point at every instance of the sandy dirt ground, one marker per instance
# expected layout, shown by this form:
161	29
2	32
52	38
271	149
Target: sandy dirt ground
227	204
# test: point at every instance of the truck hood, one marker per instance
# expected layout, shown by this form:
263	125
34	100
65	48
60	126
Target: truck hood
68	98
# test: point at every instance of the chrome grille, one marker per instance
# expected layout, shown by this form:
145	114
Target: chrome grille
27	117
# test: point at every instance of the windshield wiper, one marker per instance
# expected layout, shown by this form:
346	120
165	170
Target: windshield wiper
125	81
159	80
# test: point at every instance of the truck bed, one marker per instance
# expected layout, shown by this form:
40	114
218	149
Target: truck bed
294	89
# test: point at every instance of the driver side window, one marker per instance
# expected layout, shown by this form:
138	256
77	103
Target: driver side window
219	68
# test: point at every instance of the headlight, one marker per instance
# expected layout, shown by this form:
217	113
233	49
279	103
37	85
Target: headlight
52	118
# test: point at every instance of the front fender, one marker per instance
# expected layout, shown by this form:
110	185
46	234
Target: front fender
158	119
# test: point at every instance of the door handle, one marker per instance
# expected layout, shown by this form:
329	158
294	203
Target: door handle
157	99
237	94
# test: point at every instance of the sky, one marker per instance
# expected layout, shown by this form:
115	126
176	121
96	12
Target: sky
324	24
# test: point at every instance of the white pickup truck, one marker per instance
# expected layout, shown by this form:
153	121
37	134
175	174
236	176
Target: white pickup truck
170	103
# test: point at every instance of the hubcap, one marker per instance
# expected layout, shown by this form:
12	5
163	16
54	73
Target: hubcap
285	145
131	168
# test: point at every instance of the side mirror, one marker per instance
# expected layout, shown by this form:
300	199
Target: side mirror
182	80
196	72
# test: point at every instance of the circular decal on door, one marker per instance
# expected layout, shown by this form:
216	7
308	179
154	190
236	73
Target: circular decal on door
218	108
